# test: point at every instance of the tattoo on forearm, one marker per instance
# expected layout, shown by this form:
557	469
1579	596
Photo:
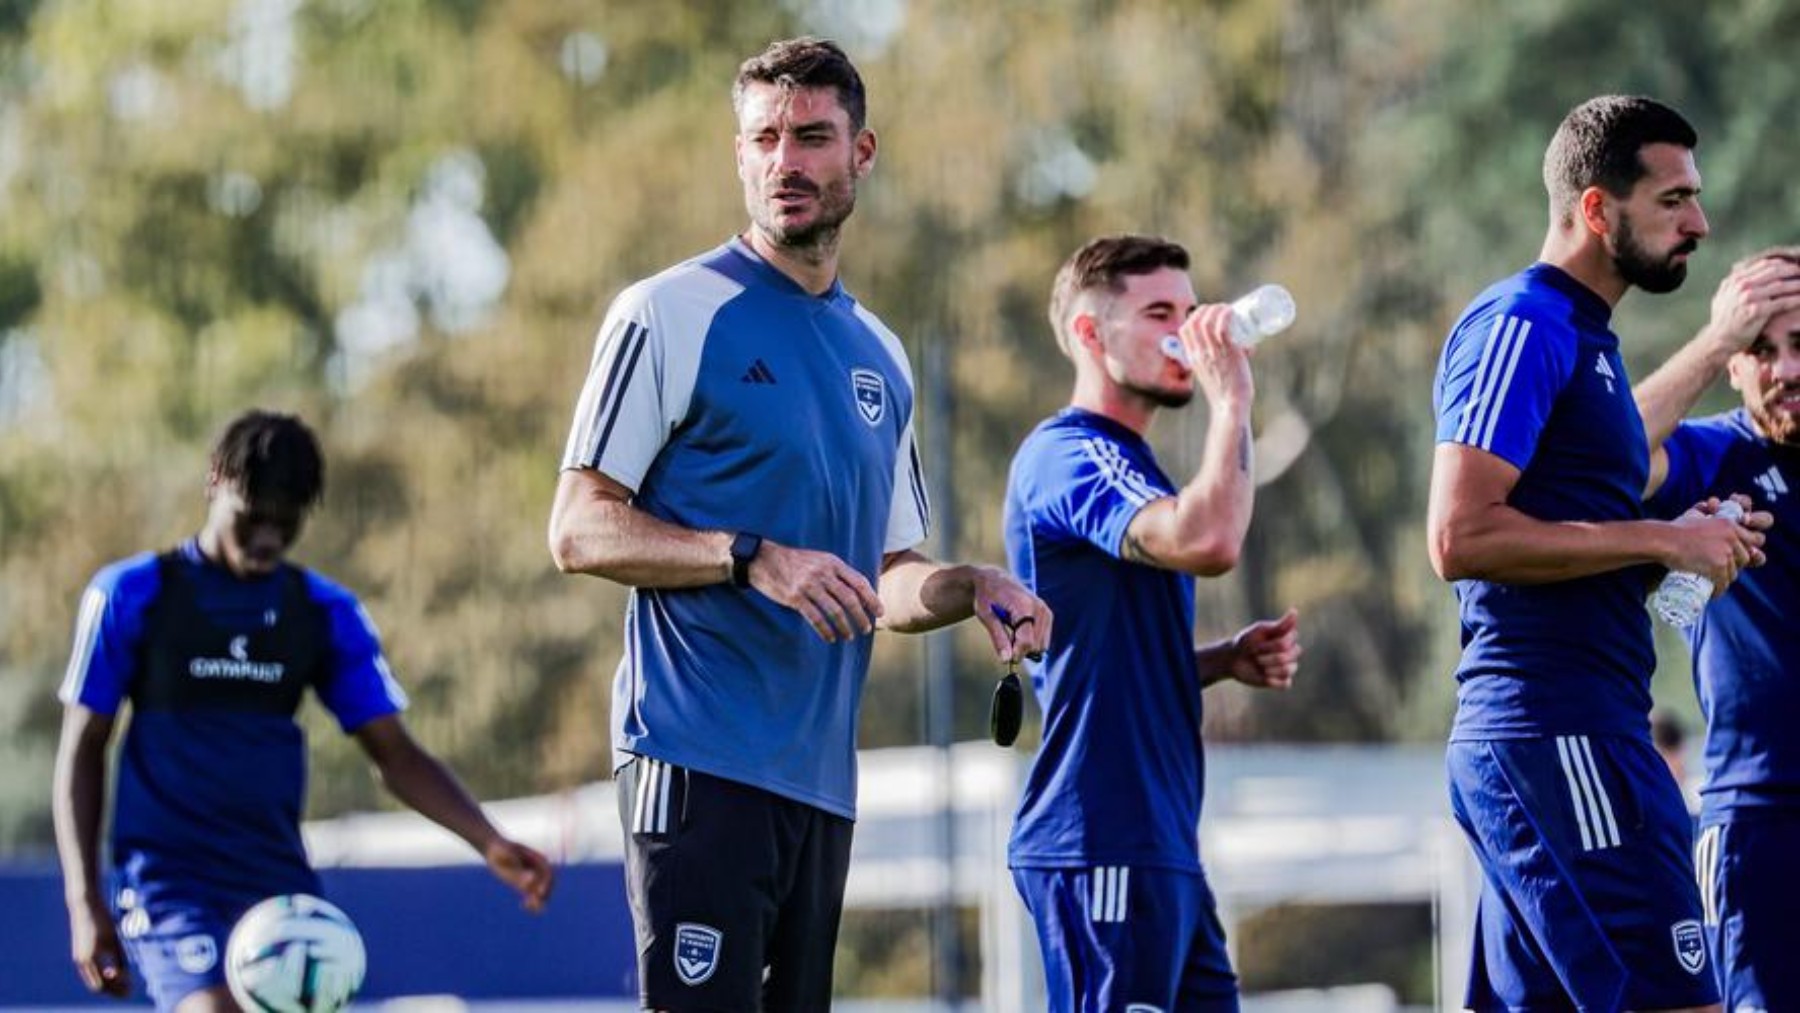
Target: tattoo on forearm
1244	450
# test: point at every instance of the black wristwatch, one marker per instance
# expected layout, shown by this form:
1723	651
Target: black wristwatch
744	547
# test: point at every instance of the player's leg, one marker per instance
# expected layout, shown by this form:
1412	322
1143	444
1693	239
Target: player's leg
701	855
803	941
1644	888
1750	891
1208	984
176	944
1541	946
1115	938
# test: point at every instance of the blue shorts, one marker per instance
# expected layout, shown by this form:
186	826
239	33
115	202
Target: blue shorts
1750	889
1134	939
1588	896
176	941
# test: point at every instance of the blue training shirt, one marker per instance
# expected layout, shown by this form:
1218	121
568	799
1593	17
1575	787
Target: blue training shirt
1746	645
1531	373
1119	776
729	398
212	772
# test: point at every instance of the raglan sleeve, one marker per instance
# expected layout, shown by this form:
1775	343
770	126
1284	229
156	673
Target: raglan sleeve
1499	379
624	415
1086	486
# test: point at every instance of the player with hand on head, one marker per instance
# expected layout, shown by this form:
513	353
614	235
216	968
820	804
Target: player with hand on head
1105	848
1535	513
214	644
742	457
1745	642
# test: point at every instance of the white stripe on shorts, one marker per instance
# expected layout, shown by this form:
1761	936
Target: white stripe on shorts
1107	901
1706	873
650	812
1593	808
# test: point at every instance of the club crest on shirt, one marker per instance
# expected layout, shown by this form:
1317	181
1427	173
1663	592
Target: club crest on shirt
697	951
1690	945
871	394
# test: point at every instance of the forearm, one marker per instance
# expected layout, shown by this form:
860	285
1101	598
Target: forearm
429	788
1215	505
1666	396
603	536
1500	543
78	795
1214	661
920	594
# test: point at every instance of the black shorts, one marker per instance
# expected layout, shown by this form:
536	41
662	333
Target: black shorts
726	880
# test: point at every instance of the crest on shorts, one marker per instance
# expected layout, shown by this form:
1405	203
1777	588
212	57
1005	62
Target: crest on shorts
697	951
1690	945
871	394
196	954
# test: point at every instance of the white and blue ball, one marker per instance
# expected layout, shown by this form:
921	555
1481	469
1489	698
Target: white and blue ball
294	953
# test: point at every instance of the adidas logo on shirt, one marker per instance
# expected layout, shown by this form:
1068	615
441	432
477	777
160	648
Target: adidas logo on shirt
1771	483
759	372
1605	370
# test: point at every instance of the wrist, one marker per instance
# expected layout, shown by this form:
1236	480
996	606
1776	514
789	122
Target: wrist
744	549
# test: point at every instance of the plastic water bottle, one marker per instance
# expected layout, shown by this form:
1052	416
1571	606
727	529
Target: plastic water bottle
1263	313
1682	595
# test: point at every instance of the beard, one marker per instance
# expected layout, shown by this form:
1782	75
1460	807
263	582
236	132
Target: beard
1778	424
834	202
1640	268
1161	397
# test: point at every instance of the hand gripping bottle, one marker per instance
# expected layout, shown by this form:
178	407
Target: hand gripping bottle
1263	313
1682	596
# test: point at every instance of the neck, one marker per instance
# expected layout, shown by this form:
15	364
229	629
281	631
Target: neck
1133	411
1582	256
813	267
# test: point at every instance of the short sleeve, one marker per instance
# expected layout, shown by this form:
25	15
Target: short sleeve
109	625
1695	453
358	686
909	515
622	419
1090	488
1498	382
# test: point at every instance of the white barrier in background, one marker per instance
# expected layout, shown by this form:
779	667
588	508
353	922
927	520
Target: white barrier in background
1283	824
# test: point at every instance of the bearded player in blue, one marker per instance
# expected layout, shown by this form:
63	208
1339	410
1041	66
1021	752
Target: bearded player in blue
213	644
1105	849
1536	514
1746	643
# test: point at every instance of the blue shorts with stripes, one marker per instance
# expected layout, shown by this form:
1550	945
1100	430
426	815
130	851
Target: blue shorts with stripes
1588	898
1750	890
1141	940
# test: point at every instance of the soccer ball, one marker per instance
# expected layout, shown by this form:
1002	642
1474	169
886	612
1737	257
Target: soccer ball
294	954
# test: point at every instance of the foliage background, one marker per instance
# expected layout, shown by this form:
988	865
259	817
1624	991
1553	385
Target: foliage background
404	219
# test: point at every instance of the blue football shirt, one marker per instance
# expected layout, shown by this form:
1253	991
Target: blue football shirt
1119	776
1531	373
729	398
212	772
1746	646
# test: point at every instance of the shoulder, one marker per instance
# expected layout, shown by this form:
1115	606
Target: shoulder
884	334
332	597
134	579
696	286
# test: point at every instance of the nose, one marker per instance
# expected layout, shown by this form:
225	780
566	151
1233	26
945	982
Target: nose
1787	364
1697	225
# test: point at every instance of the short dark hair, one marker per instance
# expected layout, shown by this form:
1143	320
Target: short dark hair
1105	263
1600	142
806	62
268	455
